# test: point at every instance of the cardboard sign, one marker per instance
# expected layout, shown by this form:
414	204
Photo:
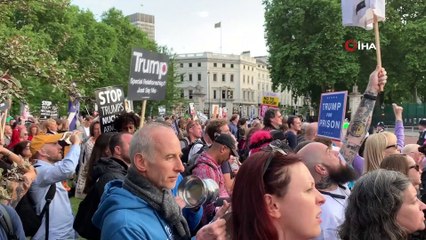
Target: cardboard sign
161	110
148	75
332	114
110	101
45	110
270	101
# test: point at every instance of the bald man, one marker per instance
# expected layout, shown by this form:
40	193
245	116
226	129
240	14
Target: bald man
412	150
311	131
331	175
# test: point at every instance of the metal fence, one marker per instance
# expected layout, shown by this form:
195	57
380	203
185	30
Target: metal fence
411	115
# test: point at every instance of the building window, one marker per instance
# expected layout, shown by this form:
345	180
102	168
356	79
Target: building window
214	94
223	78
190	94
232	65
182	94
244	95
214	64
230	94
190	64
232	78
244	78
199	64
244	67
223	94
199	77
214	77
223	65
181	77
190	77
252	81
181	65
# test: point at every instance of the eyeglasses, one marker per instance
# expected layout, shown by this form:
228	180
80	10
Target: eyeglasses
417	167
392	146
272	150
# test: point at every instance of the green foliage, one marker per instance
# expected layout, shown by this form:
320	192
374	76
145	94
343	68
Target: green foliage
305	40
49	45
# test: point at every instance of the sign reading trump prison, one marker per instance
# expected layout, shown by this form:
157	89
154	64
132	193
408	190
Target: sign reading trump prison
332	114
148	74
110	102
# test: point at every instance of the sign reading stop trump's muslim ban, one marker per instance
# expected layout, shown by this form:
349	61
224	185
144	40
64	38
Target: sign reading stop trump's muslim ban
332	114
148	74
110	101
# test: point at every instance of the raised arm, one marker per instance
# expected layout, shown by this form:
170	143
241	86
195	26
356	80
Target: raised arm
362	119
399	125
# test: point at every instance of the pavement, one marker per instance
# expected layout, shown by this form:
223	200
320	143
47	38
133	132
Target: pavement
411	134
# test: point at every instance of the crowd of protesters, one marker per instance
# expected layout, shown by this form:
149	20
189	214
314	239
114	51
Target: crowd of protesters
277	178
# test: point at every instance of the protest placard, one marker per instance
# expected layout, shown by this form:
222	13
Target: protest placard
110	101
148	75
331	114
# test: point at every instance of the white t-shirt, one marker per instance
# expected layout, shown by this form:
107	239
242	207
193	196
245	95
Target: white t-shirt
333	213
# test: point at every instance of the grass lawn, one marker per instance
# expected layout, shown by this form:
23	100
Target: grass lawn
74	204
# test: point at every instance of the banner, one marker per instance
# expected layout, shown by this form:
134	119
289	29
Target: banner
332	114
110	101
263	108
148	75
73	113
270	100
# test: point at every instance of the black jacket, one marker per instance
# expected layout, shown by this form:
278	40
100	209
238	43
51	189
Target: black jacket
108	169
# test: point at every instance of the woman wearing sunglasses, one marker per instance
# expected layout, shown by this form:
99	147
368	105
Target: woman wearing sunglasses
404	164
377	147
275	198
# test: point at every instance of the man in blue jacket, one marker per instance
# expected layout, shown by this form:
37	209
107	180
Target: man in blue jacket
143	206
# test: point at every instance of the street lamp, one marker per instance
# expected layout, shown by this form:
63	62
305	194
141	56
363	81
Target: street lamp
208	93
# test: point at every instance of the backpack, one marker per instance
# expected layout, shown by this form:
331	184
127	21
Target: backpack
188	169
83	219
6	223
187	149
26	211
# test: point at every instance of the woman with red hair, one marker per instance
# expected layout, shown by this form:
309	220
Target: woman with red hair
258	140
275	198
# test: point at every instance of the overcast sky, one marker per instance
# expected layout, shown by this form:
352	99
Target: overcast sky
187	26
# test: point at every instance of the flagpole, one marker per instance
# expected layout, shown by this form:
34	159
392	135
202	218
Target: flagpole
221	37
377	42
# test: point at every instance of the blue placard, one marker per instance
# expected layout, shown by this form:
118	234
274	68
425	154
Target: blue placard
331	114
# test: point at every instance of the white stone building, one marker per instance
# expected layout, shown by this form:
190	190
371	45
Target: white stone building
237	82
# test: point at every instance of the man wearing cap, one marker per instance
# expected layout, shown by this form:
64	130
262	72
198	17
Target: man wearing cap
422	130
52	169
208	166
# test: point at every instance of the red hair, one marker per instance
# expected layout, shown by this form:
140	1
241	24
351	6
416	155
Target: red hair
258	140
250	219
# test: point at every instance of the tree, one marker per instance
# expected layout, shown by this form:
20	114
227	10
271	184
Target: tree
306	55
49	46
